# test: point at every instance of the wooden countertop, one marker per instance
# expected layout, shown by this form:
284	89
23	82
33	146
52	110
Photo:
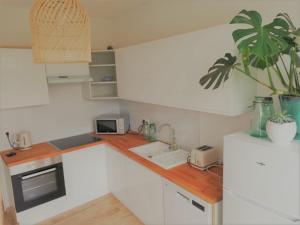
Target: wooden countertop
206	185
39	151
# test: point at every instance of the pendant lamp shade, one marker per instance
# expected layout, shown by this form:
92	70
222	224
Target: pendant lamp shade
61	32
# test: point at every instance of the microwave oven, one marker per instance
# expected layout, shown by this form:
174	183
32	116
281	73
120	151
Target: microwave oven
111	124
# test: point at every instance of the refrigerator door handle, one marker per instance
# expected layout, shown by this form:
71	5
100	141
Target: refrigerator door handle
281	214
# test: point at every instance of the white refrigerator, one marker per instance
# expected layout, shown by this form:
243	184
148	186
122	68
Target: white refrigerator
261	181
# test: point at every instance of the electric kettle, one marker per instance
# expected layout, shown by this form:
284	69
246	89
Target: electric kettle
23	140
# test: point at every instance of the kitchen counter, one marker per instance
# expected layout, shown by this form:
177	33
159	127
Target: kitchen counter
39	151
206	185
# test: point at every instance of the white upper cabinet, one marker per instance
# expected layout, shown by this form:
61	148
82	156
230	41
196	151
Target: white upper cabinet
167	72
22	83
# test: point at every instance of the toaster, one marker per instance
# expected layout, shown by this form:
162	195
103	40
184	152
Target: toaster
202	157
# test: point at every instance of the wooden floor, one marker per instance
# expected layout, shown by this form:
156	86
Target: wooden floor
106	210
9	218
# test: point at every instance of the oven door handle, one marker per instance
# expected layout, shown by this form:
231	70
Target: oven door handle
38	173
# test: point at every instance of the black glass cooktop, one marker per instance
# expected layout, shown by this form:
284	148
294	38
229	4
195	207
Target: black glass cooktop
78	140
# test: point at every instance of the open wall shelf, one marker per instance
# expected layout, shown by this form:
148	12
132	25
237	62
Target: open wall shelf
103	72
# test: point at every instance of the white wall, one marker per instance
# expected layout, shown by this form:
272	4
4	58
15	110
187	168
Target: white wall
67	114
192	128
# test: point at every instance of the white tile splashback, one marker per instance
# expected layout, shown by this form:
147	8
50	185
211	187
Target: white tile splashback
67	114
192	128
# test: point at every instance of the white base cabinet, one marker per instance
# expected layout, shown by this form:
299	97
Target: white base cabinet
85	174
154	200
117	175
138	188
85	180
94	171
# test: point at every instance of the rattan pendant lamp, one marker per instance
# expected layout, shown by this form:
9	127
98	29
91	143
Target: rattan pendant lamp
61	32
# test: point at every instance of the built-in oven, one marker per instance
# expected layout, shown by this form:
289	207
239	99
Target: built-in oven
37	182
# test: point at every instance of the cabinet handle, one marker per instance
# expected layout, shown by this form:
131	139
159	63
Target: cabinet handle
198	205
38	173
260	163
184	196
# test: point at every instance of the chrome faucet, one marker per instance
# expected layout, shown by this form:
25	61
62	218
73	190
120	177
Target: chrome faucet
173	145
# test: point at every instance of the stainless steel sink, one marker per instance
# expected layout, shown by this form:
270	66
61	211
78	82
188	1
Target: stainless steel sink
161	154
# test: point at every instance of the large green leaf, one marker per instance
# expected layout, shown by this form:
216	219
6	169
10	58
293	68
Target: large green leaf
219	72
288	19
261	40
293	35
262	64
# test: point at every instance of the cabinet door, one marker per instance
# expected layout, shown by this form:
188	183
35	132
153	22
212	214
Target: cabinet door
138	188
181	208
85	174
116	174
174	66
145	194
22	83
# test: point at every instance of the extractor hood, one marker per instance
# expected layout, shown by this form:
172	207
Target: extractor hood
67	73
68	79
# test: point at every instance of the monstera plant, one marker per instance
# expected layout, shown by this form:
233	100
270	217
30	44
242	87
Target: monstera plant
271	47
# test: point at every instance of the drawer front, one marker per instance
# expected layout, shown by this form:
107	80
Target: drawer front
267	175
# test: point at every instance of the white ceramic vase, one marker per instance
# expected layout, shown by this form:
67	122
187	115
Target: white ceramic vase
281	133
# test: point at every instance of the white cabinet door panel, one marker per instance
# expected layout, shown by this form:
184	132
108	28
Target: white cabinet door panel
138	188
85	174
167	72
22	83
145	194
117	174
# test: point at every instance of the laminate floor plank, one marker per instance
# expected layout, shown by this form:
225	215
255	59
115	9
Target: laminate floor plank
106	210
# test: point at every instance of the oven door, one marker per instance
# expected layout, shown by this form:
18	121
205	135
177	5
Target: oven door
106	127
38	186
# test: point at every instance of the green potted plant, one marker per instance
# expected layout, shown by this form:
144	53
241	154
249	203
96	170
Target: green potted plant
273	48
281	128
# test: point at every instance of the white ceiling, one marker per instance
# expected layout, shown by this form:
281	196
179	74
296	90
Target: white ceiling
105	9
126	22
